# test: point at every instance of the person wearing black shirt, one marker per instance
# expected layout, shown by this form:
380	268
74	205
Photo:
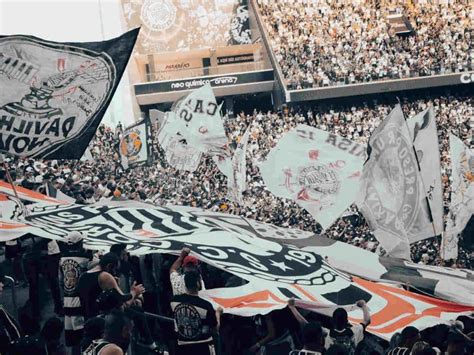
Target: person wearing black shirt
117	333
41	258
195	319
9	329
98	279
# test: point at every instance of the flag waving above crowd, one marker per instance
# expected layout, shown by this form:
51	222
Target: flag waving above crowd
134	146
462	196
392	198
234	168
318	170
199	120
425	140
54	95
178	154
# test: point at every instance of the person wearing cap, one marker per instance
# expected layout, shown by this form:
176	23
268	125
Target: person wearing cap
186	263
73	264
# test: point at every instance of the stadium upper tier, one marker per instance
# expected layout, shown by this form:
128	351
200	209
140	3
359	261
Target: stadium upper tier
330	43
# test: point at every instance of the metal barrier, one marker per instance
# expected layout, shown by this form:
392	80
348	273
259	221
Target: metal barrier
11	280
158	317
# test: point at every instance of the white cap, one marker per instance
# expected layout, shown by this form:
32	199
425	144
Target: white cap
73	238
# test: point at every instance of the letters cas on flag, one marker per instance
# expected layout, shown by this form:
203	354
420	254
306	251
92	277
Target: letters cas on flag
199	120
392	198
53	95
134	146
425	140
318	170
462	196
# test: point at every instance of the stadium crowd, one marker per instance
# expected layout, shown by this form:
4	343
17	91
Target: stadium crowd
326	43
103	176
88	181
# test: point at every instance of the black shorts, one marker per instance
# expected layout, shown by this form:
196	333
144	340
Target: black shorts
12	251
73	337
196	349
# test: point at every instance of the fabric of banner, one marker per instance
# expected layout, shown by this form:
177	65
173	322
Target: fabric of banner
274	271
53	95
134	146
425	140
53	192
29	195
317	169
392	198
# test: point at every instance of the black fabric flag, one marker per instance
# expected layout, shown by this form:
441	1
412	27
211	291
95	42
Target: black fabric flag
53	95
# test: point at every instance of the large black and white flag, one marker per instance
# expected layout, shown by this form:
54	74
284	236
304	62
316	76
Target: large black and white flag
425	140
53	95
134	145
274	270
392	198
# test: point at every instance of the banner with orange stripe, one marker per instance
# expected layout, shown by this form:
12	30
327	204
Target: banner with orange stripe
270	271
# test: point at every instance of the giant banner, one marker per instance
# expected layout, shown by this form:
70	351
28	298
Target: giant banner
274	271
53	95
317	169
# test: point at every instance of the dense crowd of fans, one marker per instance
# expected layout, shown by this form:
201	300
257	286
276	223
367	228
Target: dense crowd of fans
120	281
103	177
325	43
